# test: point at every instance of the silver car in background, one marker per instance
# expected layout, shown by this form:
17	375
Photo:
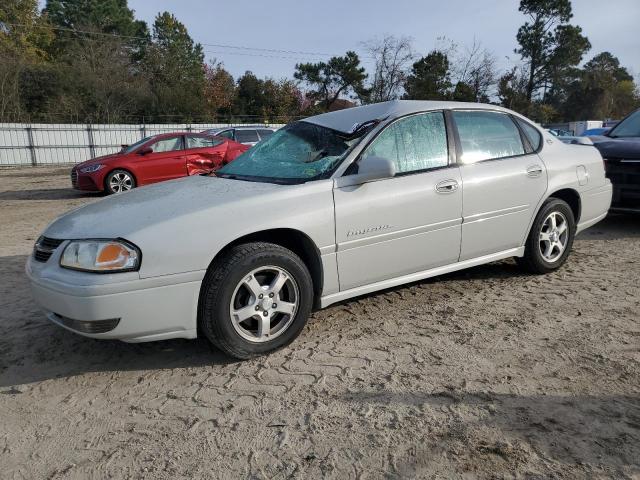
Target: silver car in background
326	209
246	134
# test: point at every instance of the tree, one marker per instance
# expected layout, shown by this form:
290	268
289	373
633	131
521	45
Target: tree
25	36
392	58
548	43
250	99
475	71
327	81
512	90
107	16
463	92
267	99
219	89
430	78
100	84
602	89
174	64
283	100
23	31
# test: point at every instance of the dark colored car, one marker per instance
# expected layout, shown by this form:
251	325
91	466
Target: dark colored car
620	148
155	159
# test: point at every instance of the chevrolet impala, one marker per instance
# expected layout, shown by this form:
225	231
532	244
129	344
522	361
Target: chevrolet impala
326	209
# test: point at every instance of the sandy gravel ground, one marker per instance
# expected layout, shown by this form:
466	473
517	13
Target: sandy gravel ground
487	373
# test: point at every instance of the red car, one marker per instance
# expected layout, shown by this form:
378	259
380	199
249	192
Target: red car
155	159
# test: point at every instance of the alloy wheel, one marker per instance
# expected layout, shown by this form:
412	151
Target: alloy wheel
553	237
264	304
120	182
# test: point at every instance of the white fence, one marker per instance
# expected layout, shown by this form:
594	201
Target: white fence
35	144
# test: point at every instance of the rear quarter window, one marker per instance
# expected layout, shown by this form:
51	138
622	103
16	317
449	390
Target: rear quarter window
532	134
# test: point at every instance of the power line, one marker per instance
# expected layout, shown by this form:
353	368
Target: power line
215	45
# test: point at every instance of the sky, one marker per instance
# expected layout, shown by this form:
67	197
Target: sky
331	27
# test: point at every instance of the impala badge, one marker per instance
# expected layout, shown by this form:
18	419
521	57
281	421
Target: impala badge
364	231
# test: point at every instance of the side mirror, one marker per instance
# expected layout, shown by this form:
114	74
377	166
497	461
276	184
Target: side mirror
370	169
145	151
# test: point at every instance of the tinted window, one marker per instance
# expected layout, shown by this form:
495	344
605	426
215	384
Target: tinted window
414	143
226	134
264	133
487	135
532	133
167	145
246	136
202	142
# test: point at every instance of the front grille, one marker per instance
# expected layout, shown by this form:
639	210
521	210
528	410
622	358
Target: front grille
45	247
84	326
74	177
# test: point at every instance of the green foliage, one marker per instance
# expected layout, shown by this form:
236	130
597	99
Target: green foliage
512	90
268	99
548	44
174	65
23	31
107	16
463	93
602	89
429	78
219	89
328	80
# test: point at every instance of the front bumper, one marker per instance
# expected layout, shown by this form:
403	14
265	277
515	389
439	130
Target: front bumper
100	306
85	181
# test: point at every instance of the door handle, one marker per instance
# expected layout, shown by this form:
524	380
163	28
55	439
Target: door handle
534	171
447	186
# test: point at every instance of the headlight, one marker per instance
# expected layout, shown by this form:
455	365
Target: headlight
106	256
91	168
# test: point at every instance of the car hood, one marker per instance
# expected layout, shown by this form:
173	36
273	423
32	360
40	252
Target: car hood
124	215
102	159
613	148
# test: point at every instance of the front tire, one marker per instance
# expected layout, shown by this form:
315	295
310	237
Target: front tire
119	181
255	299
550	239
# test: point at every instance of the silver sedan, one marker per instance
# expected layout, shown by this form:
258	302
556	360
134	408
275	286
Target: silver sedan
328	208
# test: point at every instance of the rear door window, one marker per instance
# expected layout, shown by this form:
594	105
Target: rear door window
247	136
487	136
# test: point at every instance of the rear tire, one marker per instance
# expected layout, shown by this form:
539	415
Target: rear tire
119	181
550	239
255	299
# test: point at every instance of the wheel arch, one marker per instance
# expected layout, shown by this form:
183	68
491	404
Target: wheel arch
567	194
572	197
296	241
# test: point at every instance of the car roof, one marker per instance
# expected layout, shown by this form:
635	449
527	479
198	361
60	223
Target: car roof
348	119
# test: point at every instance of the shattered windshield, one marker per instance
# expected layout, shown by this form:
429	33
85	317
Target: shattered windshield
297	153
